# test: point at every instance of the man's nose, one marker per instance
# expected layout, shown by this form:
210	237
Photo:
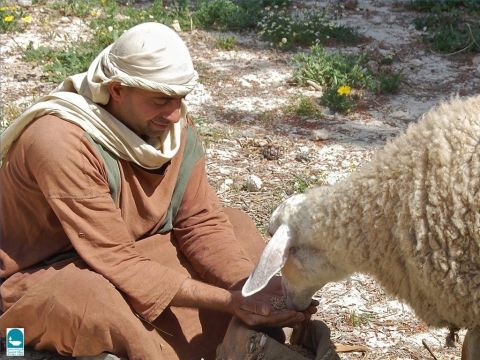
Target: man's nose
172	110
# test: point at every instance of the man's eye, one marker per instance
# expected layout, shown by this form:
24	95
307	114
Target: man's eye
160	102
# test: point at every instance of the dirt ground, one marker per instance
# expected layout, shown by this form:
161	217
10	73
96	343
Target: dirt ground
235	108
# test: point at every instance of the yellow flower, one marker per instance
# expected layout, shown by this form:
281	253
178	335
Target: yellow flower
344	90
3	8
8	18
27	19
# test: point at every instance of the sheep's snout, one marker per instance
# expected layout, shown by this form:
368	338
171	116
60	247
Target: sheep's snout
296	298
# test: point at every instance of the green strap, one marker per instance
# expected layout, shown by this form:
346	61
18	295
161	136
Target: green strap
113	169
193	152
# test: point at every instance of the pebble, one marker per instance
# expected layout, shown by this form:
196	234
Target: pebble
254	183
224	171
476	60
318	135
24	2
377	20
416	62
399	114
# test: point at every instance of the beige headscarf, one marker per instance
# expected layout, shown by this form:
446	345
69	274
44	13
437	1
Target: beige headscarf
150	56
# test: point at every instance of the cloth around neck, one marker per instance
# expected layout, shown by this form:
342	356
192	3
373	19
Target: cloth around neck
150	56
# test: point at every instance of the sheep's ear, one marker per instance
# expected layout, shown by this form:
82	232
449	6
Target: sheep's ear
272	260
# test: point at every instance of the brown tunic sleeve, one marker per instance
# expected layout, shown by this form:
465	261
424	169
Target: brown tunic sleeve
205	235
72	178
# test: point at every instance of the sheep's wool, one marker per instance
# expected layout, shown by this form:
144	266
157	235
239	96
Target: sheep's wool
149	56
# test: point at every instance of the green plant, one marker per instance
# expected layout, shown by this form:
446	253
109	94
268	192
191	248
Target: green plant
341	75
226	15
389	82
12	18
226	42
357	320
331	69
336	101
452	25
443	5
303	106
300	184
286	29
59	64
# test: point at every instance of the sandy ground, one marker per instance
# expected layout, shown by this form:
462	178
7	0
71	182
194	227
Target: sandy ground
236	107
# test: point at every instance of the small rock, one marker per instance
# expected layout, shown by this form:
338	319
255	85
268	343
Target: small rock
476	60
399	114
24	2
245	83
377	20
228	182
318	135
223	188
416	62
176	26
64	20
254	183
224	171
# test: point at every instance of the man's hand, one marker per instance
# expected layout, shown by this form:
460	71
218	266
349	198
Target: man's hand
258	311
255	310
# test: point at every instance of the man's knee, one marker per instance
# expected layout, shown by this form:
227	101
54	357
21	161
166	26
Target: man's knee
246	233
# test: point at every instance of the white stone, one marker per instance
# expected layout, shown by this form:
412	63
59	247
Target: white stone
416	62
320	134
176	25
399	114
254	183
476	60
24	2
377	20
224	171
228	182
245	83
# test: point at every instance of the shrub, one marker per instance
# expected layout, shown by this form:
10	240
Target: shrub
452	25
285	29
12	18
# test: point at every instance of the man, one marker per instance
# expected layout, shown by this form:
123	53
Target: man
112	241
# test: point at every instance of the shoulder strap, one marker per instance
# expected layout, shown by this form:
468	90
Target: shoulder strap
112	167
192	153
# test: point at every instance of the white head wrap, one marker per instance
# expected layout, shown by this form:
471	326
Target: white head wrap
150	56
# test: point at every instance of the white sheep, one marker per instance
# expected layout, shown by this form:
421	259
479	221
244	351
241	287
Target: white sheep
410	218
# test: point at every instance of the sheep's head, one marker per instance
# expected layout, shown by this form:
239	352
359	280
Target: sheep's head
304	269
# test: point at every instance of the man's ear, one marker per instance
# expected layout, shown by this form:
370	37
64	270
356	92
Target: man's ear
115	89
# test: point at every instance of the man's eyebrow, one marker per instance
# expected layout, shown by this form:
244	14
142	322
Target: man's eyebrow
163	96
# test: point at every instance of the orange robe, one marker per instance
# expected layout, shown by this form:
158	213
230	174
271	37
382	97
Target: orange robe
115	295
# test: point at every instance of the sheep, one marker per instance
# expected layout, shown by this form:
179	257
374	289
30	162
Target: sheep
410	218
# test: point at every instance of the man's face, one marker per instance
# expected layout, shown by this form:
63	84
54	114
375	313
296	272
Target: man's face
145	112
